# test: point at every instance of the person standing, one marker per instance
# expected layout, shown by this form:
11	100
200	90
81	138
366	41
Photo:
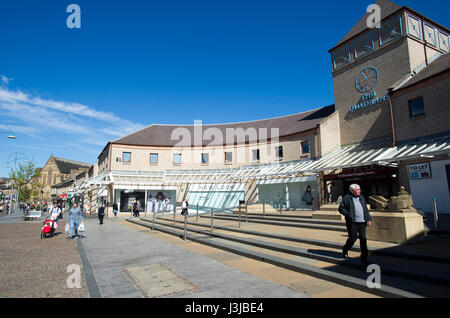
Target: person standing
357	217
101	213
115	208
184	207
135	208
74	217
307	196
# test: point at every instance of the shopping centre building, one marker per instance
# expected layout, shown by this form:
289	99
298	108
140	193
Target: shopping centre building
389	126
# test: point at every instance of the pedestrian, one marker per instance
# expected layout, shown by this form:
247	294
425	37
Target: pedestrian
101	213
74	217
115	209
138	207
307	196
55	213
357	217
403	191
184	207
135	208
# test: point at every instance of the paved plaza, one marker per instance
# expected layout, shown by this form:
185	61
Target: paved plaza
120	259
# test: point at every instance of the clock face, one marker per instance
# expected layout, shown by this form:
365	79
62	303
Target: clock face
366	79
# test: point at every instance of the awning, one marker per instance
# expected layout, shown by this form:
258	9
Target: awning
377	153
102	192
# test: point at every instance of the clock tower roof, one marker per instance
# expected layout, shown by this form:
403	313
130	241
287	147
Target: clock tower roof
387	8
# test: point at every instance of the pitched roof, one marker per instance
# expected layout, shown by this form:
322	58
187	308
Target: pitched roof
66	165
387	8
441	64
160	135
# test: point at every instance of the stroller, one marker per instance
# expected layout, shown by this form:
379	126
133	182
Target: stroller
48	229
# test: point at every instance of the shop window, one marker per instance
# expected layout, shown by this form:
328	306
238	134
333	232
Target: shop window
126	156
341	56
256	156
364	44
390	30
153	158
228	157
416	107
205	158
177	158
279	152
305	147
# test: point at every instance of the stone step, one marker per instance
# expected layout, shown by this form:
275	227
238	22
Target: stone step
415	270
356	281
273	217
315	225
391	252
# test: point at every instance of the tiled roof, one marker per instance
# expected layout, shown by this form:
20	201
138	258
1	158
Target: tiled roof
161	135
438	66
387	8
66	165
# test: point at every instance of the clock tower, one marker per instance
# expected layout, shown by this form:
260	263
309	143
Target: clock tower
368	62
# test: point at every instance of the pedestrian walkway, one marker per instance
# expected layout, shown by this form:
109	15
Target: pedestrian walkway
126	262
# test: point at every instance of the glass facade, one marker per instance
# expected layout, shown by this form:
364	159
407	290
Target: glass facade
390	30
364	44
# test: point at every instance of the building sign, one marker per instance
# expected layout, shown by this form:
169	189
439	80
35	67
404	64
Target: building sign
365	82
217	187
368	100
419	171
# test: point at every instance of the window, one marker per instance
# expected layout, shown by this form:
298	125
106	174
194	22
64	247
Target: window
341	56
364	44
416	107
49	177
279	152
205	158
390	30
305	147
255	153
126	156
153	158
43	179
228	157
177	158
54	179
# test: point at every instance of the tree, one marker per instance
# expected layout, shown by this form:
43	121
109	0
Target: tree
26	178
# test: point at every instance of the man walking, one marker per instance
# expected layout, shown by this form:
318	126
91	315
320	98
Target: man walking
357	217
101	213
74	219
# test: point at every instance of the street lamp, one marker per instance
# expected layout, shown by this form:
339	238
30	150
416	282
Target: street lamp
10	132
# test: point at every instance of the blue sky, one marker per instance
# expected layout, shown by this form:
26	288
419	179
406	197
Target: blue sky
133	63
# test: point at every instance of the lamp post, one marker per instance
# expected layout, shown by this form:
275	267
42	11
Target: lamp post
14	159
10	133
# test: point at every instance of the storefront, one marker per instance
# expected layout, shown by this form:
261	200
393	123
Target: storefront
290	193
125	197
217	196
373	180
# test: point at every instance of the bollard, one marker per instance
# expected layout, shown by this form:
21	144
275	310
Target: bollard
153	225
246	213
174	211
435	213
197	213
264	209
212	219
239	215
185	226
